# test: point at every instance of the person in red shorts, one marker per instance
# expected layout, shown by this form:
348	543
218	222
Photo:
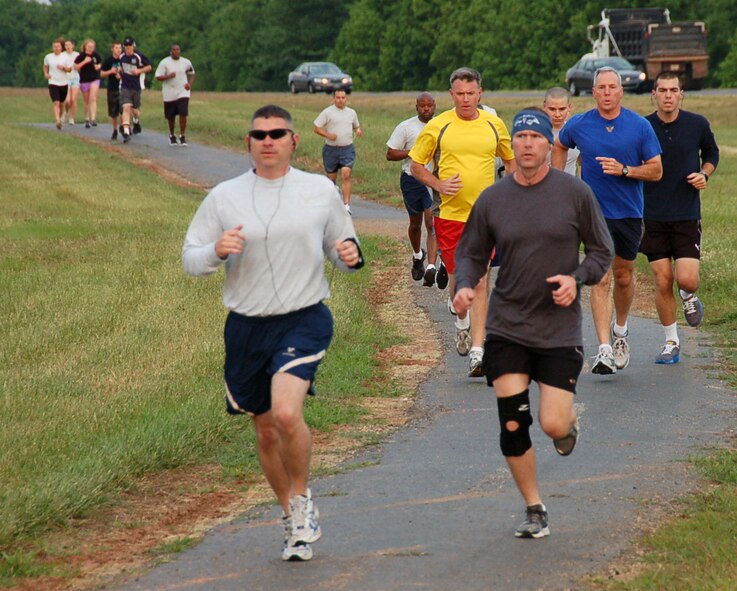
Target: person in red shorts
463	143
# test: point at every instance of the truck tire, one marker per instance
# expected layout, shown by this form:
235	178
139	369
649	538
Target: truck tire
574	89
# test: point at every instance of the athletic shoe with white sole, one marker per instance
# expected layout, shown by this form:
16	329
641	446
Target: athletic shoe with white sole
603	364
476	364
293	549
693	310
183	141
565	445
670	354
620	350
173	141
418	266
535	524
304	519
463	341
136	126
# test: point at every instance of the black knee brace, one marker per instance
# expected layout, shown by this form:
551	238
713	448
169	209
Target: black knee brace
515	408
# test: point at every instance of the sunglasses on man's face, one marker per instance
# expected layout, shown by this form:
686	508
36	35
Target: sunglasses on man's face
274	134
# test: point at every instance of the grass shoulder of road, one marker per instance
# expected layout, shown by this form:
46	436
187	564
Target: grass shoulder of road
111	357
695	549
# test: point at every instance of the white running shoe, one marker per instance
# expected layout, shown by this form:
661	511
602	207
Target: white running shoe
621	350
293	549
603	364
476	364
304	519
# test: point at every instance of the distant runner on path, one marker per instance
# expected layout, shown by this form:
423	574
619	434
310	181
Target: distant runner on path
272	228
176	74
673	208
417	197
538	218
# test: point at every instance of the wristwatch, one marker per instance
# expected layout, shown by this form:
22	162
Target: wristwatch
579	282
706	176
625	170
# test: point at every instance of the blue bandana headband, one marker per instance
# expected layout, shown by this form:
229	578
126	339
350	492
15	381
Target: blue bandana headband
536	121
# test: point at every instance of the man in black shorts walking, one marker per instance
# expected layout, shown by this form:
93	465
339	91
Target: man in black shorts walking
272	228
673	208
538	218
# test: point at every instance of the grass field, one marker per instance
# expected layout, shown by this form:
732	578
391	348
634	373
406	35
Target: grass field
110	357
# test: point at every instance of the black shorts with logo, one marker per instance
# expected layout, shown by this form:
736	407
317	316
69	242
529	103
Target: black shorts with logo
558	366
671	240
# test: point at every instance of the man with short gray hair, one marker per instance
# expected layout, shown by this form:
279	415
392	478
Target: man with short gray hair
619	150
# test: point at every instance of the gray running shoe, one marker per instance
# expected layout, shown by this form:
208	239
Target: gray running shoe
535	524
418	266
475	364
693	309
621	350
603	364
463	341
565	445
293	549
442	277
670	354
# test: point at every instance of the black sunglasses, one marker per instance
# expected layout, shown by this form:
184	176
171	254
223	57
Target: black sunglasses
274	134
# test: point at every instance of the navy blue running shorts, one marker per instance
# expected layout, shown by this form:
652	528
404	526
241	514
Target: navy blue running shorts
335	157
417	198
558	366
256	348
626	235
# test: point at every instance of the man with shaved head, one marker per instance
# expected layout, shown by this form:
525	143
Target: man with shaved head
417	197
557	105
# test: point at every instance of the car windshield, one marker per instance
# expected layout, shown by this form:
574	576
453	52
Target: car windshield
618	63
324	69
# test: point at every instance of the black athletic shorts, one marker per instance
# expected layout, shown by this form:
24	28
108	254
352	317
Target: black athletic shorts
178	107
58	93
671	240
558	367
626	235
113	103
256	348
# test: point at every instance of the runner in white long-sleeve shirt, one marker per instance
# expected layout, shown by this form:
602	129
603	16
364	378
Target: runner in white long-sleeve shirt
272	228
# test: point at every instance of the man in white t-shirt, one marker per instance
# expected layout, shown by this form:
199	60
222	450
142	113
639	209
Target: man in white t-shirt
557	105
336	124
417	197
56	64
177	76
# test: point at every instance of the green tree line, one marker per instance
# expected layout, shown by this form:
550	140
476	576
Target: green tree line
251	45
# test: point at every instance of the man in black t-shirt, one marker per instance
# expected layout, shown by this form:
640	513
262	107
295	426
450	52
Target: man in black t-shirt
133	64
673	208
111	71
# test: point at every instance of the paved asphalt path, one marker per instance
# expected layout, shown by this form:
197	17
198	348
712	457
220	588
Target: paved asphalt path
434	507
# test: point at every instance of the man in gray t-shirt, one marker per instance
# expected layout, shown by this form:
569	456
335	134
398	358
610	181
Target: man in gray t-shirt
337	124
537	218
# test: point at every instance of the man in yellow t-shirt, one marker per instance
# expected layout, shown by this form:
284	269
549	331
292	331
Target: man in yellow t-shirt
463	143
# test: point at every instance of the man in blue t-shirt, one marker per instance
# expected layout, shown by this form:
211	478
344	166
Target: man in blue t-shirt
619	150
673	208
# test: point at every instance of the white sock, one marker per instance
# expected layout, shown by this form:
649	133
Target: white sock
417	255
671	333
685	295
605	348
463	323
476	350
620	331
430	266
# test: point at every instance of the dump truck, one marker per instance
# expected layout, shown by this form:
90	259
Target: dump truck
651	42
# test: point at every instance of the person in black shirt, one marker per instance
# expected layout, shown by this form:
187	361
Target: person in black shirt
133	64
89	63
111	70
673	208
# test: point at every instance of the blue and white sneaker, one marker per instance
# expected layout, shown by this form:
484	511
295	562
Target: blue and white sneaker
304	519
670	354
293	549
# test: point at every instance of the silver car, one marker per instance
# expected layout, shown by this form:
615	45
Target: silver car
319	77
